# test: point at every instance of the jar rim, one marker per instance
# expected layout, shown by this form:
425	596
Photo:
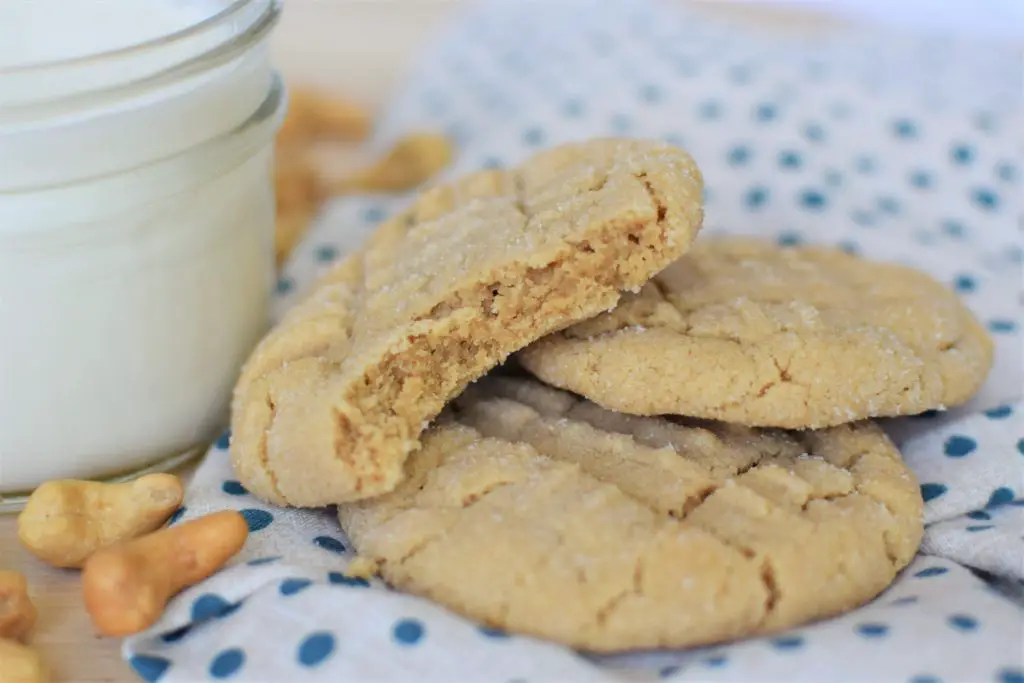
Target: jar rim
205	44
135	48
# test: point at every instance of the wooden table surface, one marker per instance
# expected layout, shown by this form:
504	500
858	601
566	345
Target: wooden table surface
359	49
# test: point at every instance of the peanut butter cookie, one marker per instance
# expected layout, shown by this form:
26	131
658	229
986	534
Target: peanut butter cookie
752	333
333	400
531	510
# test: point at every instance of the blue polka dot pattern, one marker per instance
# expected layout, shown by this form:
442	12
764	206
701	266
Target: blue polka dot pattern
985	199
932	491
263	560
766	112
904	129
756	198
979	514
963	622
339	579
233	488
534	137
930	572
788	642
872	630
373	214
906	600
953	228
961	154
176	517
964	284
925	678
920	179
709	110
149	668
789	160
813	200
257	519
493	632
888	205
1001	496
862	217
284	285
1000	326
176	635
326	253
227	663
716	661
315	648
740	74
814	132
1011	675
650	93
738	156
959	446
223	441
1020	446
408	632
210	606
573	109
999	413
329	543
668	671
293	586
1006	171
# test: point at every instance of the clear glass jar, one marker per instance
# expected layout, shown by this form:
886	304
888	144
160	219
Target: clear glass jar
136	243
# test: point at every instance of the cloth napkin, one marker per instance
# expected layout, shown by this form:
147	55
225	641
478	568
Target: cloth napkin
899	148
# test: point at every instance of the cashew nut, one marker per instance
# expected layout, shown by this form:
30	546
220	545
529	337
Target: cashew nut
21	664
314	115
413	160
17	613
127	586
66	521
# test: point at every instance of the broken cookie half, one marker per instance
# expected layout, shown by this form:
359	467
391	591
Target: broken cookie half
533	510
334	399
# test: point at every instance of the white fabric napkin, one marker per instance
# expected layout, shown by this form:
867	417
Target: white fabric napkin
899	148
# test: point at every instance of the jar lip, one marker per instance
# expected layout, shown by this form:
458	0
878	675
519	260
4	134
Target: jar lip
32	92
137	48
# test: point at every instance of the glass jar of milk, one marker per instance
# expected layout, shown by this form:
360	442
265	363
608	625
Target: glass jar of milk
136	227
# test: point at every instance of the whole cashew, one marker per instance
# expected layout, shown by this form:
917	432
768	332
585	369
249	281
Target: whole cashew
126	586
17	613
66	521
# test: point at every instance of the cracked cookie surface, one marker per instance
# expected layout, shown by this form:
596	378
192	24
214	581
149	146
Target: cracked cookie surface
532	510
795	337
333	400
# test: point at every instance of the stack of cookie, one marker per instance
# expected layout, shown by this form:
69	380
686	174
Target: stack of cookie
713	474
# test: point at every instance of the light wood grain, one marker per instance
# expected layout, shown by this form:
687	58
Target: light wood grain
358	48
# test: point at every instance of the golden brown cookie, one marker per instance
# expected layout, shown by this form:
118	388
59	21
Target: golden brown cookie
334	399
752	333
534	511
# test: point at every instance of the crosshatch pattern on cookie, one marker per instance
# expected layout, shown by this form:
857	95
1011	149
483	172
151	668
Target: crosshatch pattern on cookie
330	404
532	510
746	331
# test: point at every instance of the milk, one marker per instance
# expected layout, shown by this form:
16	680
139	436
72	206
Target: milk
136	227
